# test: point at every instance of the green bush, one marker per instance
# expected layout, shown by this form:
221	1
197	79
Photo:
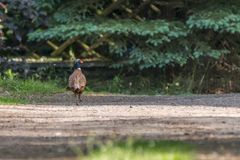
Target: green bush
183	32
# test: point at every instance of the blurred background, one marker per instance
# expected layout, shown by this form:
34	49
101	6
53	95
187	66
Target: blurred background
128	46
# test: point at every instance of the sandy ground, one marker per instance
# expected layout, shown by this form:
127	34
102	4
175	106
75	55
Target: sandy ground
51	129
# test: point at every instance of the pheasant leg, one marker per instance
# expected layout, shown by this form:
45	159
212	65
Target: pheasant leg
77	101
79	98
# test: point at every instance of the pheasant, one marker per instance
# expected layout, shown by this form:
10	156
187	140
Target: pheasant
77	81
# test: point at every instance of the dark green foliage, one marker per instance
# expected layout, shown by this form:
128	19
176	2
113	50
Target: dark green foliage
177	32
187	31
223	16
146	29
19	18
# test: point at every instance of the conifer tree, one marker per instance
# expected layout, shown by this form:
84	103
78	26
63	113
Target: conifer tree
143	33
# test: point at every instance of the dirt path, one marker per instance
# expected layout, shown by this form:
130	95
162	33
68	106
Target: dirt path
50	129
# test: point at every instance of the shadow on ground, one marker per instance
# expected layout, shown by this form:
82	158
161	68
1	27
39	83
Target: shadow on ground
224	100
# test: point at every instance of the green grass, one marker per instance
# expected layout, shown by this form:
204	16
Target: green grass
137	85
30	90
30	86
23	91
10	100
118	87
142	150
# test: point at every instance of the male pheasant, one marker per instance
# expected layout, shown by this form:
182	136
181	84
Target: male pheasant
77	81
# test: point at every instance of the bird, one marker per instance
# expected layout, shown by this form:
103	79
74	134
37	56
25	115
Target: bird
77	81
